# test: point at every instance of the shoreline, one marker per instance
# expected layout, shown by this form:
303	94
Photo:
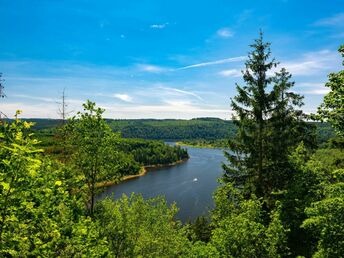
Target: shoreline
199	146
143	171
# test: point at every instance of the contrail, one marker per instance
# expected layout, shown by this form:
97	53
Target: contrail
222	61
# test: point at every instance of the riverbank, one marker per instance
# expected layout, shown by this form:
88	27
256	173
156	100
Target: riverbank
144	170
197	145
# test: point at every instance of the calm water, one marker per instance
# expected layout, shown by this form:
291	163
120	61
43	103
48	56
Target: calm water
190	184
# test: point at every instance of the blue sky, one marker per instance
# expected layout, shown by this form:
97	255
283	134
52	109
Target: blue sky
158	59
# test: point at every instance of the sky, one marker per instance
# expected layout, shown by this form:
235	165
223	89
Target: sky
155	58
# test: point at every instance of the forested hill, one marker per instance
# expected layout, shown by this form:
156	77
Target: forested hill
160	129
197	128
176	129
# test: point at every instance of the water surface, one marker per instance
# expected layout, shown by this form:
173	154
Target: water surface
190	184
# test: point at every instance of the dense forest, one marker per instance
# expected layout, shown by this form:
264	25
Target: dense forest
281	194
198	129
144	152
158	129
132	154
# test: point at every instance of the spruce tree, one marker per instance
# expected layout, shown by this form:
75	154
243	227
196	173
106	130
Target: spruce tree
286	129
268	125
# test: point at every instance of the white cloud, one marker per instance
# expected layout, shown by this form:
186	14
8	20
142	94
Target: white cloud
123	97
335	20
225	33
313	63
316	91
168	109
222	61
312	88
30	110
152	68
231	73
311	84
159	26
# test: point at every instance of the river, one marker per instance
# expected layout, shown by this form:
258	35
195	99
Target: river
190	184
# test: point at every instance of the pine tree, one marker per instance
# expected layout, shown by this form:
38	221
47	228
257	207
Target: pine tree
247	156
286	129
268	125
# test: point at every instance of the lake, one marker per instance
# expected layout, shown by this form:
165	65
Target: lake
190	184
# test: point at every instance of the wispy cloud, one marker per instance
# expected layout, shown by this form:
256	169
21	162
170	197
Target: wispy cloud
316	91
312	88
123	97
159	26
244	16
225	33
335	20
311	84
178	91
23	96
47	99
313	63
217	62
231	73
167	109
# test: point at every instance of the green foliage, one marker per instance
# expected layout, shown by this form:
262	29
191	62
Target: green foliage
312	175
38	214
131	153
136	227
332	109
269	126
173	129
326	218
200	229
158	129
202	143
202	250
151	153
42	210
94	157
240	229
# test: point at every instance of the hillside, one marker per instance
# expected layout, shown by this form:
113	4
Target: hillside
176	129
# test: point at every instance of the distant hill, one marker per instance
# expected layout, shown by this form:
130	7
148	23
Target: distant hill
174	129
207	128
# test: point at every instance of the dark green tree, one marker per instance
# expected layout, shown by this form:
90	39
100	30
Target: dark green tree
247	155
286	128
268	125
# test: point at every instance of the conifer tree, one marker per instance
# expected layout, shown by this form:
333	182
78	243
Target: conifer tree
286	129
247	156
268	125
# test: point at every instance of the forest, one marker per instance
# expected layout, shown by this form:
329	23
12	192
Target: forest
281	193
132	153
204	129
